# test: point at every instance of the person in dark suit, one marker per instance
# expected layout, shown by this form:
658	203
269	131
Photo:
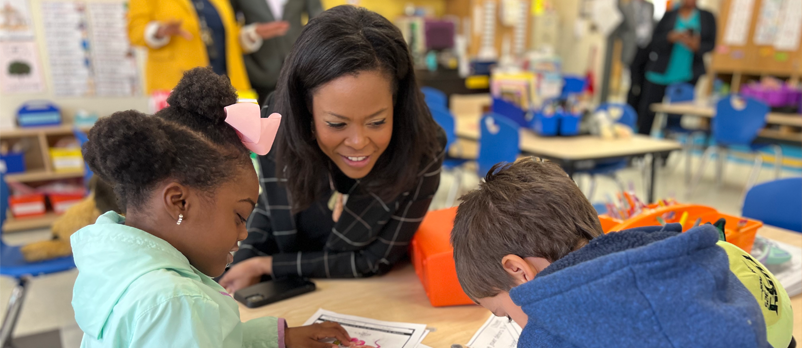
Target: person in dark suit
675	54
276	24
356	162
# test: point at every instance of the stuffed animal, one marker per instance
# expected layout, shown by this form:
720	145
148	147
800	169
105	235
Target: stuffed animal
100	200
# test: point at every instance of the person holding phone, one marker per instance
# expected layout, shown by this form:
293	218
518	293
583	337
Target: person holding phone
357	158
184	34
284	19
675	54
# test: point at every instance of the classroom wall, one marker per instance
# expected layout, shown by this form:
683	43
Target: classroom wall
9	103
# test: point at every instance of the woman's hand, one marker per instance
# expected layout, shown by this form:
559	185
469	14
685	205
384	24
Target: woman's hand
309	336
172	28
246	273
674	36
270	30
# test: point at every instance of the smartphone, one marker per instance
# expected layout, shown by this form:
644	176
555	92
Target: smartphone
273	291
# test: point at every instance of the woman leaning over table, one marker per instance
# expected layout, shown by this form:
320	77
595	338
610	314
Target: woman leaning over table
356	162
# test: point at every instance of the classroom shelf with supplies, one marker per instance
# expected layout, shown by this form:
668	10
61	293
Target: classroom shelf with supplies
32	158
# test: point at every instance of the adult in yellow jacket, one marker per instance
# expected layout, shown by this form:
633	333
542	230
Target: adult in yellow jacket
184	34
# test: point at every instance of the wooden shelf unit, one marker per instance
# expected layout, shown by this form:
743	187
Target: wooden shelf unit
31	223
39	168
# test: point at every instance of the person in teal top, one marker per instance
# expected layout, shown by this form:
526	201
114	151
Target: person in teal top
681	62
675	55
187	185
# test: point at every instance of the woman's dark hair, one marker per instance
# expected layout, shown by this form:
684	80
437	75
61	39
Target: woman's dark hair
188	141
347	40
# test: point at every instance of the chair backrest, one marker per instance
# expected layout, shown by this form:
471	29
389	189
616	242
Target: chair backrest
434	97
572	85
738	126
83	139
776	203
3	201
509	110
680	92
628	117
499	142
445	119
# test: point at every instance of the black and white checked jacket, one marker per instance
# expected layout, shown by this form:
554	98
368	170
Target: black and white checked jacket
370	236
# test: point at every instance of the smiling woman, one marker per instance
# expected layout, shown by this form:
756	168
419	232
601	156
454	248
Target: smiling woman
356	162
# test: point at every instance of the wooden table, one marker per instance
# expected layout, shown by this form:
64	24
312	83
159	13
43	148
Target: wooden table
579	152
703	108
399	296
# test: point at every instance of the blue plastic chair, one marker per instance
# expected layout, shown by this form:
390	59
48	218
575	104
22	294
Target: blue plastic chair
736	129
509	110
434	97
776	203
677	93
445	119
13	265
83	139
572	85
499	142
609	167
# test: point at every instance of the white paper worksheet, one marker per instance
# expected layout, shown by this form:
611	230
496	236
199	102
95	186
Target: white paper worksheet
497	332
376	333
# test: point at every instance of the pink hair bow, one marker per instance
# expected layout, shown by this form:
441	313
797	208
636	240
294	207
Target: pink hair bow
256	133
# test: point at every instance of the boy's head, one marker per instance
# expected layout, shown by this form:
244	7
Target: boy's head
525	216
182	175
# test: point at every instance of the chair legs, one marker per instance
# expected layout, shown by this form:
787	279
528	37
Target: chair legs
721	162
753	174
698	177
592	188
455	186
778	161
13	311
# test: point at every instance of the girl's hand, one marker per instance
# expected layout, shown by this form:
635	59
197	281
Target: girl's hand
310	336
246	273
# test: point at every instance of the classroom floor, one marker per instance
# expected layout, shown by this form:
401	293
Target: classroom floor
47	306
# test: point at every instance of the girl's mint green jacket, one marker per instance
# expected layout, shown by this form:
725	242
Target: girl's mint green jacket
137	290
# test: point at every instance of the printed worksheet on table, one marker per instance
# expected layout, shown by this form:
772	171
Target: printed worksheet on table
375	333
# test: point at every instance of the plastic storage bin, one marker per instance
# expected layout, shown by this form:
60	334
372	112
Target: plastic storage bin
63	201
30	205
15	162
433	258
67	159
546	123
743	238
569	124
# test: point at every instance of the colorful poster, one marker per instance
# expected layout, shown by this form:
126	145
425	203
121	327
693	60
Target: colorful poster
768	23
20	64
66	34
788	35
739	21
15	20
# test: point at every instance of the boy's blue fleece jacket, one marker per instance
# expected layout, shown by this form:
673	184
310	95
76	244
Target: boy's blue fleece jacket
648	287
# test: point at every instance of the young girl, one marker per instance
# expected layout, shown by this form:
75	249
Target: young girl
187	184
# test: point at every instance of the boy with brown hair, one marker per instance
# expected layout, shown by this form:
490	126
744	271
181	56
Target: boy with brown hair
529	245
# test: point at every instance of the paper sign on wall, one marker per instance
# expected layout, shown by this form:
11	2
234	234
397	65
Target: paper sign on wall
739	22
768	23
15	20
20	64
788	35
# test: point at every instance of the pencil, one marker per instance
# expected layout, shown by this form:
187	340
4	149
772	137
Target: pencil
698	221
683	218
661	221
